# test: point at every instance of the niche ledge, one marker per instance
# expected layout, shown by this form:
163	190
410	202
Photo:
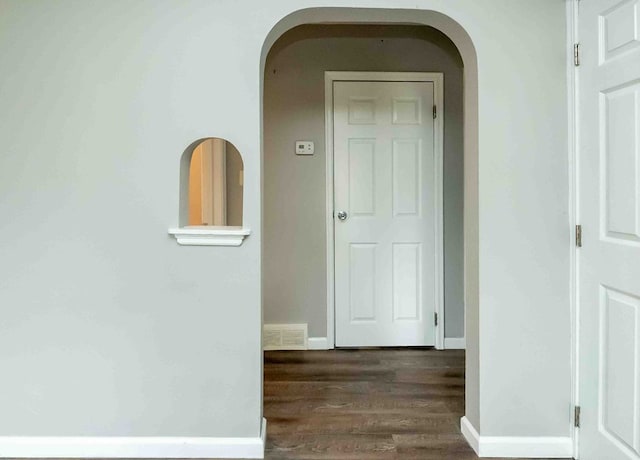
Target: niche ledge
210	236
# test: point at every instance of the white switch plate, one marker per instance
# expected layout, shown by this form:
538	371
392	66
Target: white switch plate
304	148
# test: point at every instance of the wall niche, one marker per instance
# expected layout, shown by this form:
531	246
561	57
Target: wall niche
211	195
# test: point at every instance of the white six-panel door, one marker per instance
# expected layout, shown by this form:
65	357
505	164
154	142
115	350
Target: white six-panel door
609	211
385	180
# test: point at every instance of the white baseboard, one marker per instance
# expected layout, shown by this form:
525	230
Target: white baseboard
516	447
317	343
133	447
470	434
455	343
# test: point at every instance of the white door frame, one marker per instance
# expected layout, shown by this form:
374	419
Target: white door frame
574	189
438	85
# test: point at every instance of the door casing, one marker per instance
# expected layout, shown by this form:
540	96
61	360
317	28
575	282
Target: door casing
572	149
437	79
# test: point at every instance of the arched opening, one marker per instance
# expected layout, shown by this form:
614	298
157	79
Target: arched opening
211	185
215	184
442	28
211	195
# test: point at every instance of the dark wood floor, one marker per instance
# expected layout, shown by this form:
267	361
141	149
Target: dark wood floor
365	404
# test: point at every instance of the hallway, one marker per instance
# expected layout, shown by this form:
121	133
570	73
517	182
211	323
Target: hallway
365	404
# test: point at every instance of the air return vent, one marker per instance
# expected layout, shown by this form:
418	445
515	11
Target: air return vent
285	337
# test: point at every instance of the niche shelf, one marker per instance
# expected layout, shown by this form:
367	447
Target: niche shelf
209	236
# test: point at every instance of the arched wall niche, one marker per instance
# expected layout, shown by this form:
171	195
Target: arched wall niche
459	36
219	220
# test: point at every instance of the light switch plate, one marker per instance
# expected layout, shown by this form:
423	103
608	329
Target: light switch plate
304	147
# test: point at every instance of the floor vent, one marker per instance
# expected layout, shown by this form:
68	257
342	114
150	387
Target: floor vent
285	337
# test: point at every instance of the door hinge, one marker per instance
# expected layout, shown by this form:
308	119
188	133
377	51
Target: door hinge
579	236
435	319
435	112
576	54
576	417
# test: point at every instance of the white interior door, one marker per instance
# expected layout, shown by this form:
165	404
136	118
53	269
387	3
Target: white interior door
609	211
385	183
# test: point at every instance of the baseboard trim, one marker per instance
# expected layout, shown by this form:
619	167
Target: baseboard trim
133	447
516	447
317	343
455	343
470	434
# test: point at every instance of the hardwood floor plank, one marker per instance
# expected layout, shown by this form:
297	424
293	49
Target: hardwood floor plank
355	404
333	446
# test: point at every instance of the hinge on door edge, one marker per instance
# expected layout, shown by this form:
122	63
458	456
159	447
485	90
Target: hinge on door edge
435	112
579	236
576	54
435	319
576	417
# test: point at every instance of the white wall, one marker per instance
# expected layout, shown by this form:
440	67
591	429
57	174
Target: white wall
294	257
107	327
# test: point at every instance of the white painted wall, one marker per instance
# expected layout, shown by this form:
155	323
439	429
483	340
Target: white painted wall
294	257
106	328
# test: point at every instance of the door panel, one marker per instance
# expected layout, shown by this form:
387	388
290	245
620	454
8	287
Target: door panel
362	275
619	364
609	211
620	157
406	177
406	281
384	179
362	157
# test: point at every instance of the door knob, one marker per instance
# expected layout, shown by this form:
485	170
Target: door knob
342	215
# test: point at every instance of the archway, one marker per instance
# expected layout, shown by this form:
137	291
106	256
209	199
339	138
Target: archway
461	39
